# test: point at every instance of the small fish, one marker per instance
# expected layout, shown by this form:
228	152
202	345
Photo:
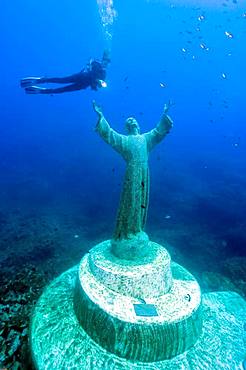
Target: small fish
204	47
162	84
142	206
229	35
184	50
224	76
142	183
167	217
126	78
201	18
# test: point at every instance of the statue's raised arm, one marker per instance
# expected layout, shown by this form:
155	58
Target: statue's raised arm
113	138
163	127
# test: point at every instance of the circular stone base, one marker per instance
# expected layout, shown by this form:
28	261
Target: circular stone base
158	328
59	342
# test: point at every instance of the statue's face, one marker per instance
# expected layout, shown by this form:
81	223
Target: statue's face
132	126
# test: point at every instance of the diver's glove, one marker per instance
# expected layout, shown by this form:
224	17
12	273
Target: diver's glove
34	90
29	81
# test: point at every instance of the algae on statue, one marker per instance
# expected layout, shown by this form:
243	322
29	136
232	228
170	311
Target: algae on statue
135	149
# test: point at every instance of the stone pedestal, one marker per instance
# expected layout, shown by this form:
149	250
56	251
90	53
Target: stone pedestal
137	310
109	313
146	277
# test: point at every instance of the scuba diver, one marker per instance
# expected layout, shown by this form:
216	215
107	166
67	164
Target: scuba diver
92	76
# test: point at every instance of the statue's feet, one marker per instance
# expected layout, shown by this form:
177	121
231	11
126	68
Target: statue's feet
132	248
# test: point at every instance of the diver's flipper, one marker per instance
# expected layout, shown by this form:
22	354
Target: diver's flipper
29	81
34	89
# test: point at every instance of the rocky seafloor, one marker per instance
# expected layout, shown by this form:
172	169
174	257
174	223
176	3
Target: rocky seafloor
35	248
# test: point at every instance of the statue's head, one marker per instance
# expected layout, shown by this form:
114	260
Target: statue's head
132	126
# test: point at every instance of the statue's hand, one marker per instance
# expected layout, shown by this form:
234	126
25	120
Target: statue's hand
168	123
97	109
167	106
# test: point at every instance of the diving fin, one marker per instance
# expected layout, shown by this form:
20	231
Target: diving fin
34	89
29	81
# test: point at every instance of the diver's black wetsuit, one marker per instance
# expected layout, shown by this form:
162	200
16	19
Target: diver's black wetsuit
90	77
77	81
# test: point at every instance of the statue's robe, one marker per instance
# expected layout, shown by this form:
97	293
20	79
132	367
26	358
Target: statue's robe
135	150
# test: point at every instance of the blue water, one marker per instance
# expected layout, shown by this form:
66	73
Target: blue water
52	161
60	183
